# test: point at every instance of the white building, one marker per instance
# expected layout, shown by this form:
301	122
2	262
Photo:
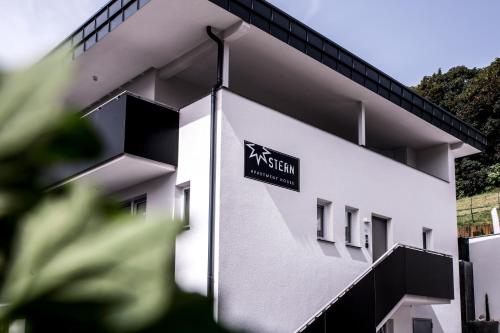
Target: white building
479	276
296	163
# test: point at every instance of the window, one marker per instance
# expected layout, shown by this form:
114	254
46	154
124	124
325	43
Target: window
186	205
351	226
136	206
320	216
324	227
427	239
348	227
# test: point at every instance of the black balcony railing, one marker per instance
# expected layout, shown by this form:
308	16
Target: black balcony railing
370	298
128	125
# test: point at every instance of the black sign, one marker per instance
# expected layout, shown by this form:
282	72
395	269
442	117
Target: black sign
271	166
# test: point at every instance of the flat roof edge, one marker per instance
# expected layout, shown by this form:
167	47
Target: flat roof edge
289	30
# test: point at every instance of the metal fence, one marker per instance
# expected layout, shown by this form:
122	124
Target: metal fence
474	215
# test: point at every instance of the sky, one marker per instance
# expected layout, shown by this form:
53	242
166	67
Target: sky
406	39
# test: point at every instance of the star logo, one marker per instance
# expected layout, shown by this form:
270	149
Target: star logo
258	152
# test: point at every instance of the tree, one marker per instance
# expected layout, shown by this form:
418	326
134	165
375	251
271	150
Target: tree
474	96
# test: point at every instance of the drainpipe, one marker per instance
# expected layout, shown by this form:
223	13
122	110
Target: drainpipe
213	143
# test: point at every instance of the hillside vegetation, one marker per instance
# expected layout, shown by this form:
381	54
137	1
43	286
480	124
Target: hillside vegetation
474	96
476	209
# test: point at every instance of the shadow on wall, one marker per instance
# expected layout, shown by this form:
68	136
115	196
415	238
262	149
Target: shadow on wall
357	254
329	249
291	215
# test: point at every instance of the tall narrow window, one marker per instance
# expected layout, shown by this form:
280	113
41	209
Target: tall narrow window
427	239
320	216
348	227
187	199
351	226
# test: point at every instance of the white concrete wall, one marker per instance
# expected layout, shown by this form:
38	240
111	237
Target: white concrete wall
176	92
273	273
193	169
164	196
484	256
159	192
144	85
434	160
402	320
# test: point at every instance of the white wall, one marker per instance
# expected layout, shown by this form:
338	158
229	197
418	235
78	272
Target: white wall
434	160
164	195
484	256
402	320
193	169
159	192
273	273
144	85
177	92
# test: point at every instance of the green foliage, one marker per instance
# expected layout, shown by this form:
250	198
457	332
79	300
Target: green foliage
493	177
474	96
72	261
472	177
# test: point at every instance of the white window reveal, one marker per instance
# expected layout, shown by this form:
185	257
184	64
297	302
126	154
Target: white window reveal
186	205
352	226
320	216
324	226
427	239
183	204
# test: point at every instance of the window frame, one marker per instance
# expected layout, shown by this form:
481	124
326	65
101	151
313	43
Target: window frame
427	243
133	203
186	207
348	226
327	234
354	229
320	221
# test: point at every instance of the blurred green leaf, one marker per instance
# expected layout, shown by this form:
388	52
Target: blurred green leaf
78	264
66	253
36	132
32	102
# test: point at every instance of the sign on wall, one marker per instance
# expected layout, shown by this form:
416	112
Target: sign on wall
271	166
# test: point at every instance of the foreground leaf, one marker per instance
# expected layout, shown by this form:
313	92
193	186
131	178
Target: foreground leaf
65	254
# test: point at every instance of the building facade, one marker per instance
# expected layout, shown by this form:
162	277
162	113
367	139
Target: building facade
317	191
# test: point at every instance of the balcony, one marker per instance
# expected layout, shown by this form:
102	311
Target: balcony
404	275
139	142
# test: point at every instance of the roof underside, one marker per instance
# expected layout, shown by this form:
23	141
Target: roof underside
278	24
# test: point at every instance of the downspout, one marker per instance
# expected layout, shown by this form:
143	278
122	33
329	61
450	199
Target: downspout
213	148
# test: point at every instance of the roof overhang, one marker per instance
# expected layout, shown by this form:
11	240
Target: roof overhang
321	81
